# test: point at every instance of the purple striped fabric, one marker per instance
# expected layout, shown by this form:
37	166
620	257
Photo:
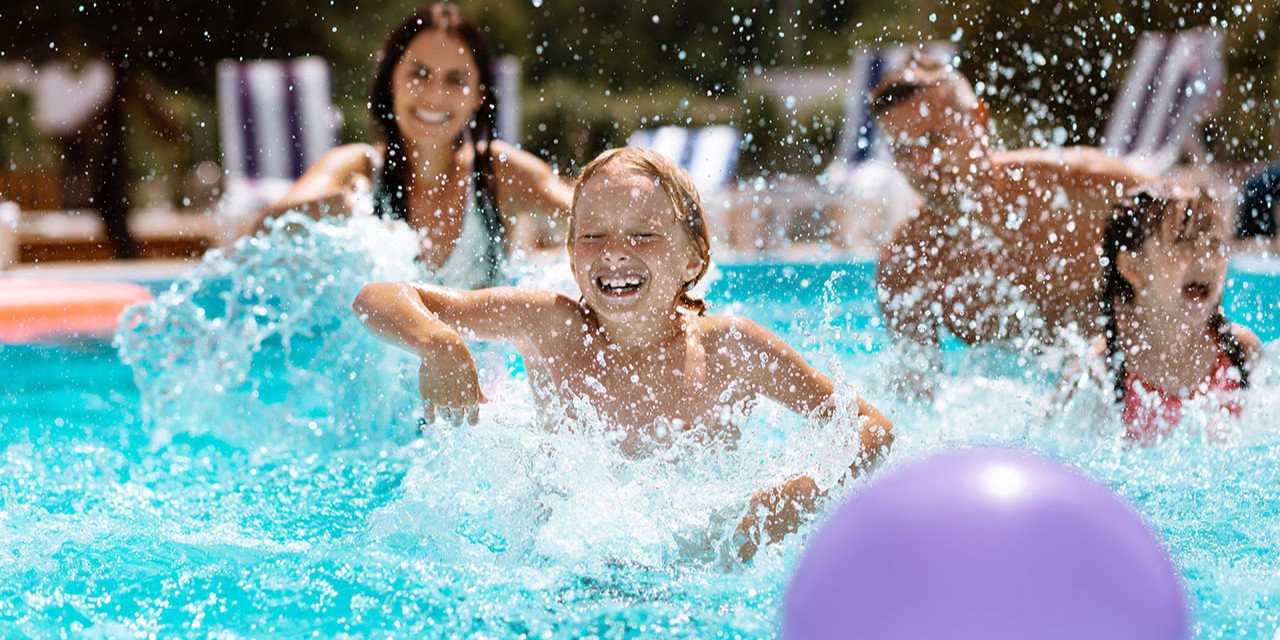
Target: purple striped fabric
293	114
690	145
1177	112
867	130
248	132
1134	133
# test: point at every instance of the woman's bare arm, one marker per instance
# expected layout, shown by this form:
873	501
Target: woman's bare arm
527	185
328	186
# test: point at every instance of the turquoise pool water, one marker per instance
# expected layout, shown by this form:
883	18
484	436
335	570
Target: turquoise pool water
253	469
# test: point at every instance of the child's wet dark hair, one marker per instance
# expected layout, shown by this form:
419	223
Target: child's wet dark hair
1137	217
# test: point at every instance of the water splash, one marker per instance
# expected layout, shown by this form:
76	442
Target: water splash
519	525
259	342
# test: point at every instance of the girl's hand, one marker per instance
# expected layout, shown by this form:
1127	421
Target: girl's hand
450	389
776	512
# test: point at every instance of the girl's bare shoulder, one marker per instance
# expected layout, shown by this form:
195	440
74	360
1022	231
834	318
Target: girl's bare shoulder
733	335
1250	344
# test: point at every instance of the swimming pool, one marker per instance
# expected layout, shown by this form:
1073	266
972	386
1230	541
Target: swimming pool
261	478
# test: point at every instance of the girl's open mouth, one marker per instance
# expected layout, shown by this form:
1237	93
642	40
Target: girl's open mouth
1196	291
618	286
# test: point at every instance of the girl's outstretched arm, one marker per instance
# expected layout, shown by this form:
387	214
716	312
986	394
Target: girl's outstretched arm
770	367
430	321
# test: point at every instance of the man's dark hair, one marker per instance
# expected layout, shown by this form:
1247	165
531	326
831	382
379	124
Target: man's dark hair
888	95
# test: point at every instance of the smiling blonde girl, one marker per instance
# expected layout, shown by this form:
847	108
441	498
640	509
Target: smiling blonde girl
637	344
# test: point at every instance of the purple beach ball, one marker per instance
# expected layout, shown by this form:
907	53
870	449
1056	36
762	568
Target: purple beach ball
987	544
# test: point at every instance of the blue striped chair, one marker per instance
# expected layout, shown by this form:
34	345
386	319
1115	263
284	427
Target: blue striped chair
1175	79
709	154
276	118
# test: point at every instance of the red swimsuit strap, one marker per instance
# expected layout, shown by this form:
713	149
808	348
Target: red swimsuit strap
1219	378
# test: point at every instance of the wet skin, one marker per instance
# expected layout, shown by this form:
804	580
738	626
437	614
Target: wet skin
646	368
435	93
1178	276
995	226
624	346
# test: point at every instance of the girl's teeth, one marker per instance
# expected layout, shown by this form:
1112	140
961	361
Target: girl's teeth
616	283
622	282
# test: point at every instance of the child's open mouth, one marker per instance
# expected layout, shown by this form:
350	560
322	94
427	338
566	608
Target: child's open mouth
1196	291
619	286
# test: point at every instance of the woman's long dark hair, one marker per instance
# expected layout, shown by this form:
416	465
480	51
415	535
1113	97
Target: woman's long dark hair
391	194
1134	219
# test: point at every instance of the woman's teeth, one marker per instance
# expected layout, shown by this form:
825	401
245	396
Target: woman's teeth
433	117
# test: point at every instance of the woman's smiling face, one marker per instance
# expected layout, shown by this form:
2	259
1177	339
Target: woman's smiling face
631	258
436	88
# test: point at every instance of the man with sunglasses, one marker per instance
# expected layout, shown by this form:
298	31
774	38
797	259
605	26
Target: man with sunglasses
1005	243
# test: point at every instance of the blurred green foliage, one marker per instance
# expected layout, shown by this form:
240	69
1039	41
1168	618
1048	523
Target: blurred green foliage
595	70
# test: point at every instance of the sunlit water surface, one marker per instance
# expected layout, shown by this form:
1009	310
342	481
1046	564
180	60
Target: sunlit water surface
245	461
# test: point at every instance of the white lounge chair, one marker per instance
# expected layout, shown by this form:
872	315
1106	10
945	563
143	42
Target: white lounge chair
276	118
709	154
1175	79
506	77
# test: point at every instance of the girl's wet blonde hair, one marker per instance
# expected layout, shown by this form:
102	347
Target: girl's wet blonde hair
686	203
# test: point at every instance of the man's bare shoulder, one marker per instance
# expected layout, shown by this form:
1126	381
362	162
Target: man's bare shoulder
1071	163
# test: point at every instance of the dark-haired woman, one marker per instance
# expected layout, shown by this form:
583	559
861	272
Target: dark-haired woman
1166	343
438	166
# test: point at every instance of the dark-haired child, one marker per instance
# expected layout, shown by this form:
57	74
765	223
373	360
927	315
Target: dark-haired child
1166	341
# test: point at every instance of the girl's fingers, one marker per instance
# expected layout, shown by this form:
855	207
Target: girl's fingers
450	415
453	416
